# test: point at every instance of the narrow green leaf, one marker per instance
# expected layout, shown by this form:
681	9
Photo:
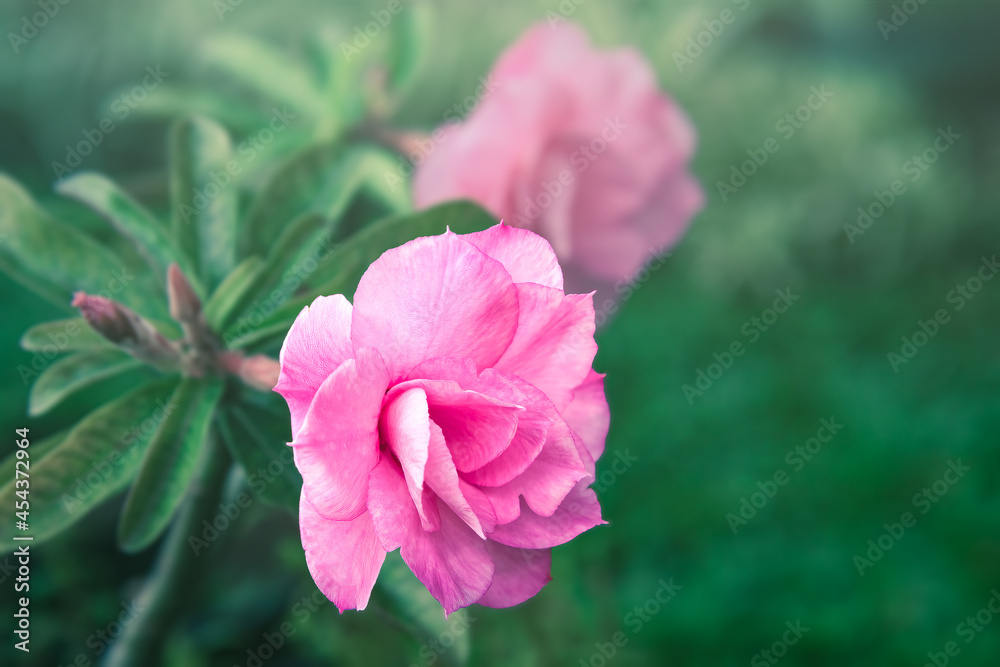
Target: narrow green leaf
73	373
290	193
230	293
38	450
48	257
203	196
258	441
130	218
69	335
169	464
97	459
282	272
411	31
266	70
166	101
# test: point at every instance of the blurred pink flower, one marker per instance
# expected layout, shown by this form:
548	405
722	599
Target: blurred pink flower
578	145
452	413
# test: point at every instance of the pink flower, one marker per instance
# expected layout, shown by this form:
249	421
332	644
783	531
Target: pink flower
577	145
451	413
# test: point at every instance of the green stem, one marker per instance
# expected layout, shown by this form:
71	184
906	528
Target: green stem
176	571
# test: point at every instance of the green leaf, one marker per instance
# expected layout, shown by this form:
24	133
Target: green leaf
38	450
69	335
410	33
169	464
257	439
166	101
285	269
97	459
73	373
266	70
342	268
230	293
131	219
291	192
203	196
48	257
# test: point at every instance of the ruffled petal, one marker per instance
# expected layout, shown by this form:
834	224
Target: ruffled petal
518	574
318	342
337	445
527	256
589	417
578	512
453	563
435	297
554	346
344	557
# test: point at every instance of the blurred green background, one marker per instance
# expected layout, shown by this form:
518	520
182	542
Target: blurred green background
695	461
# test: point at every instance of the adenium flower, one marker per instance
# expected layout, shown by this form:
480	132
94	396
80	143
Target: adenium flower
578	145
452	413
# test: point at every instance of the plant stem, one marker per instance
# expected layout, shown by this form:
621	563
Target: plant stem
175	574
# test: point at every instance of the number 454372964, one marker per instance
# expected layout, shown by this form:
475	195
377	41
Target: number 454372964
21	477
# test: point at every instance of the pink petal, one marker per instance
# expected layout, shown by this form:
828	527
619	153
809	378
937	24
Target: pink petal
406	427
554	346
462	371
589	417
436	296
318	342
532	428
453	562
337	445
527	256
546	482
442	478
518	575
578	512
343	557
477	427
